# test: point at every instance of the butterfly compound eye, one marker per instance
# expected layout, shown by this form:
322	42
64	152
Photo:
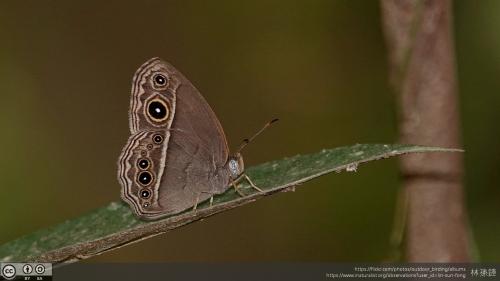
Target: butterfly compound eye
158	110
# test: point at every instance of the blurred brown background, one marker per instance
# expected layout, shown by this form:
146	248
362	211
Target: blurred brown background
320	66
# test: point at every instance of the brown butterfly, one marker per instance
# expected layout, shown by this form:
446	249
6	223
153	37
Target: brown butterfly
177	154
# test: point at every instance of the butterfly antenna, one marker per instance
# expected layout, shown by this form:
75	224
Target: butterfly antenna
247	141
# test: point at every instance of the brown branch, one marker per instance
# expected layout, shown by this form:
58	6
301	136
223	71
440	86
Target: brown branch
422	72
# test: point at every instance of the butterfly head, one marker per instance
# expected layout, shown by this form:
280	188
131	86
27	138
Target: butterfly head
235	165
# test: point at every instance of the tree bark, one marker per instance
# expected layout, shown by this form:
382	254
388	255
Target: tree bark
422	73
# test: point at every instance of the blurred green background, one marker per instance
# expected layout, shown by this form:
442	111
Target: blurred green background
320	66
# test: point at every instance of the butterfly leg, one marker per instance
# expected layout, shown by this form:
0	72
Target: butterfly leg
196	202
251	183
236	188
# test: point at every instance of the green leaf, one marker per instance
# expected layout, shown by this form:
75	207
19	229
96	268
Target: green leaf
114	225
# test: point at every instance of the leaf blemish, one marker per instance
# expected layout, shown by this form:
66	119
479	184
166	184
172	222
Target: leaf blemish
353	167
